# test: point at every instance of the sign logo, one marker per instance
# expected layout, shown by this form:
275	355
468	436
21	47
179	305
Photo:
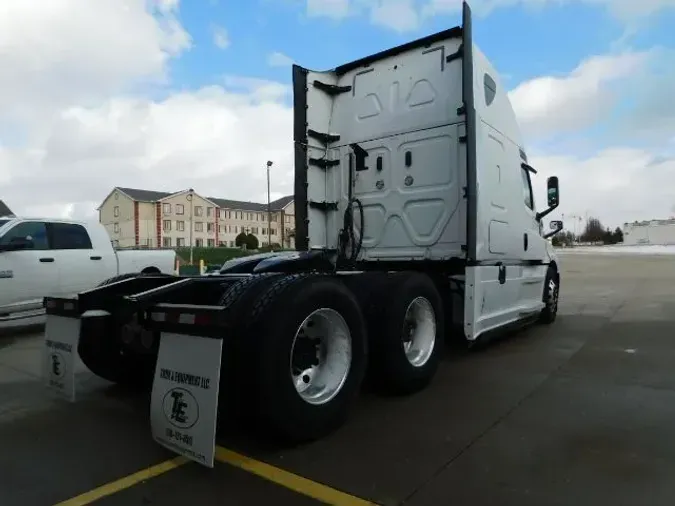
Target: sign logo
57	365
180	408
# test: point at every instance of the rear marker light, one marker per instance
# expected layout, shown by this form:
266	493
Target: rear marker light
202	319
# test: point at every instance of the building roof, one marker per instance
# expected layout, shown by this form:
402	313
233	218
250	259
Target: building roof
276	205
5	210
154	196
144	195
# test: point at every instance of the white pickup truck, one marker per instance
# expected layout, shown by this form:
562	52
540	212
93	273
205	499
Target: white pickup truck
54	257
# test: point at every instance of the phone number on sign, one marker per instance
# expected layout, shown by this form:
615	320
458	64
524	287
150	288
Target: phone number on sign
179	436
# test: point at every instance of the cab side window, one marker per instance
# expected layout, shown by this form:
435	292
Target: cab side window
35	232
69	236
527	188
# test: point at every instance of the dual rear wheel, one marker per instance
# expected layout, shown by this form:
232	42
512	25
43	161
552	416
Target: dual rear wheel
308	340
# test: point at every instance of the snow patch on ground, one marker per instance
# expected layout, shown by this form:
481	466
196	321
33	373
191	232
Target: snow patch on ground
620	250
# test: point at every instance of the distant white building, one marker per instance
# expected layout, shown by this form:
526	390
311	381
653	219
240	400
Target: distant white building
649	232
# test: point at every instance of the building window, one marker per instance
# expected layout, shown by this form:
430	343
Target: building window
229	215
166	242
211	243
221	228
199	211
180	226
199	226
254	230
116	228
180	242
209	211
236	229
273	231
259	217
166	208
274	217
199	243
117	196
116	211
210	227
180	209
167	226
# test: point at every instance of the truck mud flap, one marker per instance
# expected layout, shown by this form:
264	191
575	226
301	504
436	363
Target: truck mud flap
185	389
59	357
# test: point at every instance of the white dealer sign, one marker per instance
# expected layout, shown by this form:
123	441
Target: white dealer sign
184	404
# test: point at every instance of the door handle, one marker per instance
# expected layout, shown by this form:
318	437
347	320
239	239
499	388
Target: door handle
46	259
95	258
525	241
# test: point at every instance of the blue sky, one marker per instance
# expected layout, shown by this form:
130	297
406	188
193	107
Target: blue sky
170	94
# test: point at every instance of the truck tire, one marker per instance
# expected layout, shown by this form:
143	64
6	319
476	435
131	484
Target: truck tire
307	348
408	335
550	297
235	402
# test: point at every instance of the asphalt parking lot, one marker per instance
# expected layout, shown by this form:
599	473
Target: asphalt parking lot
577	413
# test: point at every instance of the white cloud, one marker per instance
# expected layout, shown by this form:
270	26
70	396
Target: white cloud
407	15
336	9
554	104
54	54
212	140
74	122
399	15
220	37
277	59
625	10
617	185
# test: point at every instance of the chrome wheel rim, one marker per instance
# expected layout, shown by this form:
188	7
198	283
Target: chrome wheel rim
321	356
552	296
419	331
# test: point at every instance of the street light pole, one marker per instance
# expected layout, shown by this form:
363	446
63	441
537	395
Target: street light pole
269	208
189	198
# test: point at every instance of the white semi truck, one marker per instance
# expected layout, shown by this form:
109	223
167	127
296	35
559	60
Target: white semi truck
415	220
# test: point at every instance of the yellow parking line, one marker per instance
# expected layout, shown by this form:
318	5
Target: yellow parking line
269	472
124	483
289	480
